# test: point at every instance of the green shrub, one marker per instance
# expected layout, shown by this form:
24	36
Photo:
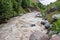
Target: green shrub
6	8
56	26
58	5
25	3
10	8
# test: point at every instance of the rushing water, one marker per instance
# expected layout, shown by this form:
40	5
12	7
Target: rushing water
46	2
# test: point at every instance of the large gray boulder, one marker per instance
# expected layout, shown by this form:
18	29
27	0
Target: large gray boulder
38	36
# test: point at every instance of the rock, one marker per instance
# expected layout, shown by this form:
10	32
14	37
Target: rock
59	34
38	15
53	9
55	37
32	25
48	25
54	18
43	22
38	36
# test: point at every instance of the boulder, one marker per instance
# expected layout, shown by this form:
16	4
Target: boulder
55	37
38	36
48	25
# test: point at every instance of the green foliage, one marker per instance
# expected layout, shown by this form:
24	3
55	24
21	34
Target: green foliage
10	8
58	5
41	6
25	3
6	9
56	26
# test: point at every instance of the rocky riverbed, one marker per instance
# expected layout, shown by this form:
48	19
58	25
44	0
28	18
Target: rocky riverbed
25	27
21	28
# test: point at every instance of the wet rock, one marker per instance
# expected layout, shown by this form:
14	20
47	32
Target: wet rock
43	22
32	25
54	18
38	36
55	37
38	15
59	34
53	9
48	25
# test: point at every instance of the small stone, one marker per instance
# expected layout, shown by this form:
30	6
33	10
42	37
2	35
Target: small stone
53	9
43	22
32	25
38	15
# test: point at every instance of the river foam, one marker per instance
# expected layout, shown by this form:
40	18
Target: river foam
47	2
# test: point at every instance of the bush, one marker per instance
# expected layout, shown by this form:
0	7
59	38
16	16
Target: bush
25	3
6	9
56	26
58	5
10	8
